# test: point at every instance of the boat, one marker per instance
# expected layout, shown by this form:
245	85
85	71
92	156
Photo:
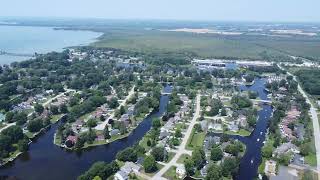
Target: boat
258	140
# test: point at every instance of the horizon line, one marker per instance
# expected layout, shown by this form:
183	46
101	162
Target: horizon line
155	19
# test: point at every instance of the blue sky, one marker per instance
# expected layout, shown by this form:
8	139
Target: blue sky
237	10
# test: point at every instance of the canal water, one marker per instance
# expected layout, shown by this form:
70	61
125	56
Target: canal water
251	160
44	160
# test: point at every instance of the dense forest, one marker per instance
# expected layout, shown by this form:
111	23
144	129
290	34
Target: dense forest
310	80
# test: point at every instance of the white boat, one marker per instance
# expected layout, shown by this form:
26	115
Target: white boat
258	140
251	161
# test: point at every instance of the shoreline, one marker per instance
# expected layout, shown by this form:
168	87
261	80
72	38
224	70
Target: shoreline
35	135
100	143
11	58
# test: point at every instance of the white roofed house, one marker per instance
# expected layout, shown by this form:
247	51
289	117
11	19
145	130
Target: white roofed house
181	171
129	167
120	175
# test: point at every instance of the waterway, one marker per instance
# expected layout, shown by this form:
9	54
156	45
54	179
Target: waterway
28	40
44	160
252	158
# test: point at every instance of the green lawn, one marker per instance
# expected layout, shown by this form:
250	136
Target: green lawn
195	140
182	158
170	156
171	173
113	138
262	166
311	159
143	142
241	132
159	166
55	118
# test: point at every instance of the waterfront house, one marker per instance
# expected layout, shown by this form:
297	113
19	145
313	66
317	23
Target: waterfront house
233	127
286	148
120	175
270	168
114	132
71	141
79	123
129	167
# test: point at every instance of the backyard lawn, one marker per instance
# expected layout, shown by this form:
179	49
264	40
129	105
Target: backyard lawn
196	140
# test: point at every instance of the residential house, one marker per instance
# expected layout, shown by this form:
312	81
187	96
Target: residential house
270	168
181	171
114	132
120	175
286	148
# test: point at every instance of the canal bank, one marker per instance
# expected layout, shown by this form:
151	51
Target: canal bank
249	163
44	160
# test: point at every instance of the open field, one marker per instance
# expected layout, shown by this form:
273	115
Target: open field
208	45
195	140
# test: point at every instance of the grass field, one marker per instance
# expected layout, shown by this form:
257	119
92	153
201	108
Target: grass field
171	173
207	45
241	132
195	140
182	158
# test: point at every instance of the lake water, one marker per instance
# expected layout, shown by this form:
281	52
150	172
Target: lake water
28	40
44	160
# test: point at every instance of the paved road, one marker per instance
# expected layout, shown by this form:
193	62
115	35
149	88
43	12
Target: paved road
57	96
7	126
123	103
44	105
181	149
315	121
316	129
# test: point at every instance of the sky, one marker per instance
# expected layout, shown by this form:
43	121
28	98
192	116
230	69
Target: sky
214	10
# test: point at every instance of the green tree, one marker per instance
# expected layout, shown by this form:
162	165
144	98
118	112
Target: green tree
305	149
189	165
159	153
106	132
54	109
267	151
214	172
23	145
156	123
91	123
223	111
128	154
35	125
216	154
38	108
198	157
9	117
229	166
64	109
178	133
150	164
